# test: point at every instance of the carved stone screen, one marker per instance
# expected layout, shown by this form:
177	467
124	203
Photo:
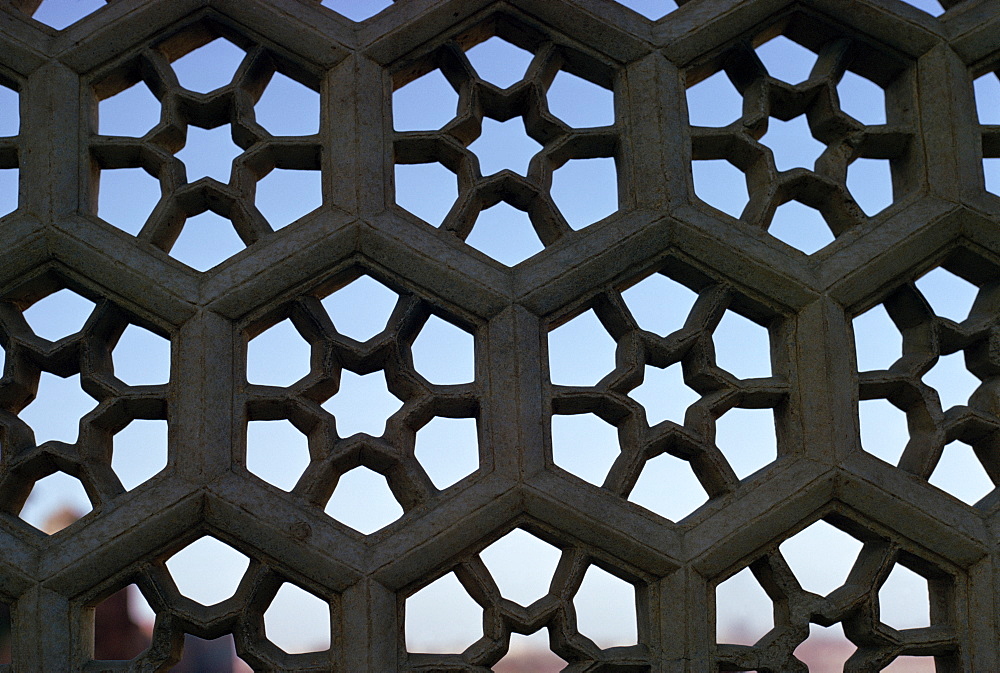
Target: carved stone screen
566	341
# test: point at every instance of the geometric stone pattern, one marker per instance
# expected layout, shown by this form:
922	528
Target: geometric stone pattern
941	215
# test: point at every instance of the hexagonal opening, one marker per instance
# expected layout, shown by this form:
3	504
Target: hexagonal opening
278	356
530	653
499	62
504	146
821	556
870	183
218	654
427	190
430	629
424	104
363	501
585	190
55	502
131	112
357	10
744	612
991	172
786	60
9	186
141	357
669	487
118	633
800	226
664	395
949	295
884	432
747	438
742	347
522	565
10	117
209	66
579	102
59	314
584	445
861	98
877	341
714	102
987	92
55	413
904	600
288	107
826	648
505	234
934	8
659	304
606	609
361	309
126	198
277	452
721	185
139	451
206	241
443	353
209	153
297	621
651	9
271	195
581	352
908	664
189	569
961	474
59	14
363	404
448	449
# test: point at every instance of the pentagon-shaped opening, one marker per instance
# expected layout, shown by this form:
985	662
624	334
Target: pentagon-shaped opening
504	145
424	104
278	356
209	153
742	347
585	190
59	314
581	352
721	185
911	664
288	108
786	60
357	10
208	67
821	556
55	502
991	175
961	474
747	438
132	112
664	395
10	114
669	487
426	190
5	633
361	309
448	449
949	296
141	357
363	404
659	303
505	234
870	183
139	451
826	648
584	445
987	92
297	621
605	609
206	241
861	98
207	571
952	381
522	565
60	14
118	635
272	195
442	618
277	452
499	62
884	432
579	102
714	101
904	599
443	353
800	226
55	413
9	186
530	653
934	8
743	610
126	197
792	143
363	501
651	9
877	341
216	655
